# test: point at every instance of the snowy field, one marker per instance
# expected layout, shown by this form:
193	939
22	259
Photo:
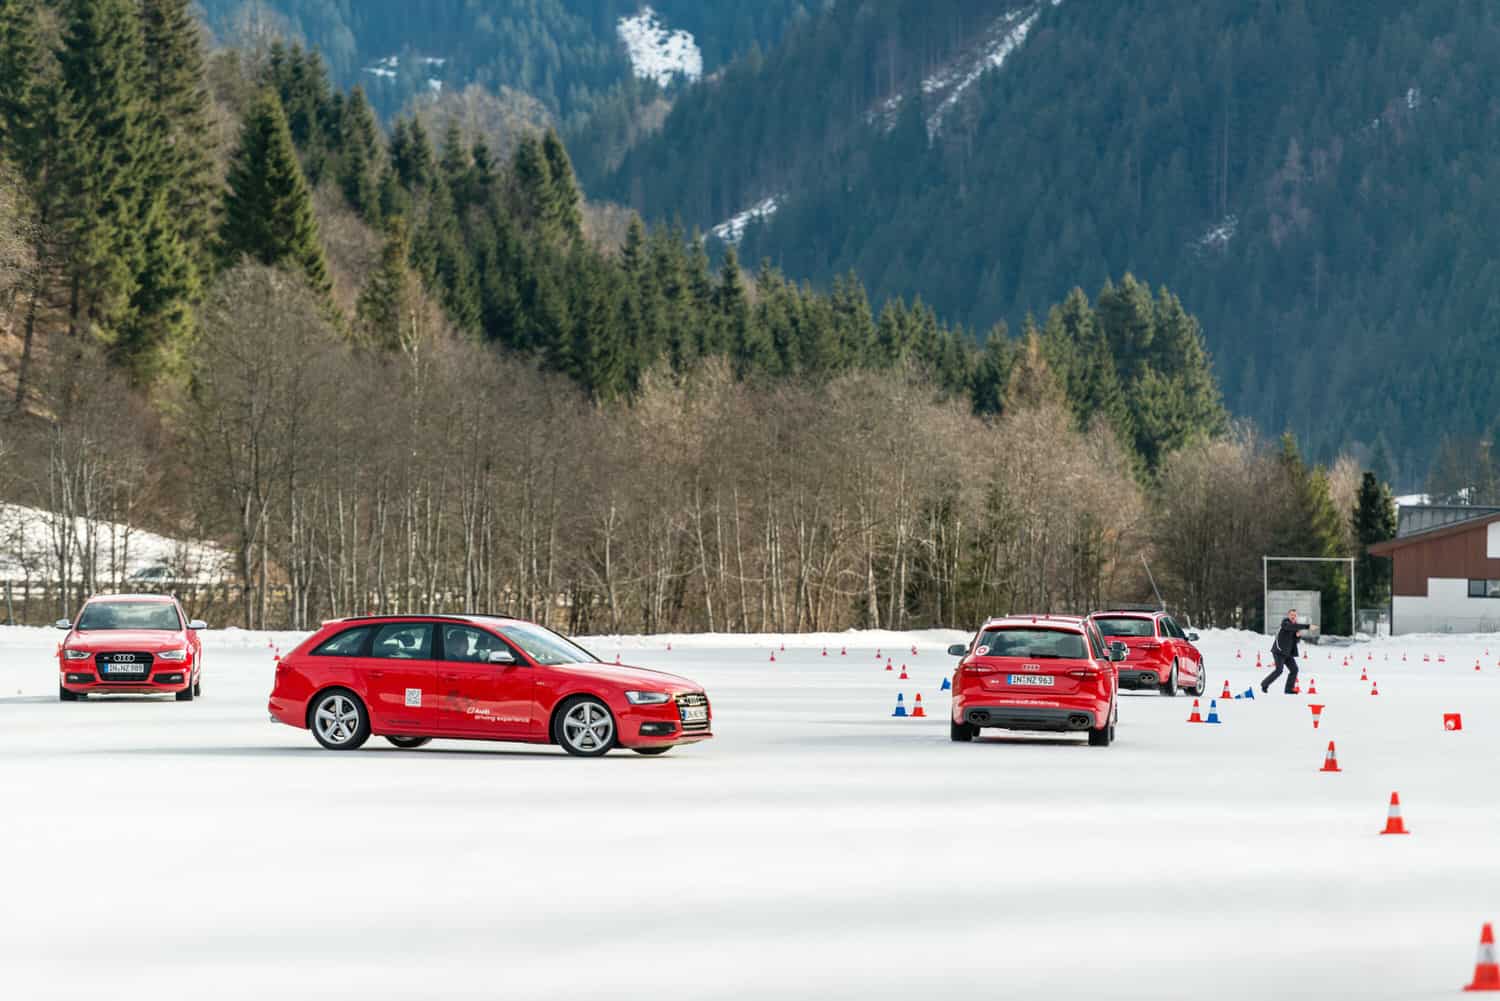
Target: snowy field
815	848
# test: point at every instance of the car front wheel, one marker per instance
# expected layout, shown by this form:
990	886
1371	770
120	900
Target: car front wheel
63	695
585	727
338	720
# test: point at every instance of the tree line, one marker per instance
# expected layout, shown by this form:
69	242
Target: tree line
395	374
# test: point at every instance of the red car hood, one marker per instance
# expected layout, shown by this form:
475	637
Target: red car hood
640	678
144	640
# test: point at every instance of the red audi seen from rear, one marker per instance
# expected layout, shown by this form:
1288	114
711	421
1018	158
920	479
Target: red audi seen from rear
1160	654
130	643
411	678
1048	673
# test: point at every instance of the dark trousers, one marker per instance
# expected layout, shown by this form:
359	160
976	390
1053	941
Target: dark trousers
1283	662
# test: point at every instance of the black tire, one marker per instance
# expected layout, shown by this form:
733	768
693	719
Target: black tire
585	740
962	733
63	695
1102	738
651	752
186	695
409	743
352	723
1201	688
198	689
1169	687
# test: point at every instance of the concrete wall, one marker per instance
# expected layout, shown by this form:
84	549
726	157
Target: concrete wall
1446	608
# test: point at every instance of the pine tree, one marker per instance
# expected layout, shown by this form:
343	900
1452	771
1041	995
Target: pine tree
158	326
1374	521
182	134
20	54
565	211
387	297
358	150
991	377
268	213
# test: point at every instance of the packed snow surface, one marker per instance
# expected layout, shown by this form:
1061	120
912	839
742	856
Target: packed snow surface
816	847
732	230
657	53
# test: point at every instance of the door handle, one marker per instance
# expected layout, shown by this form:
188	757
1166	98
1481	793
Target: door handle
377	674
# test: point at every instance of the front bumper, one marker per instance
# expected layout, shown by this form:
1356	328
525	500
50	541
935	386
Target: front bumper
1038	718
662	725
84	681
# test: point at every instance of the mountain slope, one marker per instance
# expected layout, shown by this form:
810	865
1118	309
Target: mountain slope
1318	182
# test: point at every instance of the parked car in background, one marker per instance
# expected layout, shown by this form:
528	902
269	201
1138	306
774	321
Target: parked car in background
135	643
410	678
1161	655
1050	673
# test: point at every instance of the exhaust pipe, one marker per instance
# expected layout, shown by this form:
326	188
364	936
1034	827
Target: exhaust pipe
1078	722
979	716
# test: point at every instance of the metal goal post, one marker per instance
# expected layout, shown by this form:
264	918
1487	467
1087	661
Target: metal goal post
1265	579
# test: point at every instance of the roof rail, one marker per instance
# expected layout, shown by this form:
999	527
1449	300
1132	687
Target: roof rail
1127	606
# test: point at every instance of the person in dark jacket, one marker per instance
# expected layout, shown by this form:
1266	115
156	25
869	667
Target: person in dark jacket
1284	652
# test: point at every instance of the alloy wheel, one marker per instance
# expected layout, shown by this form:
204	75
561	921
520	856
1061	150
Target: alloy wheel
337	719
589	728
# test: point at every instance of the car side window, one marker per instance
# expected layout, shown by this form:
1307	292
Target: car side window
1095	642
465	643
403	641
349	643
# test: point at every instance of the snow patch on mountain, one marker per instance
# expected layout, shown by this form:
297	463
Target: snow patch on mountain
732	230
1219	235
657	53
950	82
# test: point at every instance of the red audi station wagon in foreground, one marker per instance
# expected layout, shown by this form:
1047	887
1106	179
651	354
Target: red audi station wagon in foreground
1045	673
1160	654
131	643
411	678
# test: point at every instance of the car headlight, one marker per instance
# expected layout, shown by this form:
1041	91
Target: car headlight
77	654
647	698
172	655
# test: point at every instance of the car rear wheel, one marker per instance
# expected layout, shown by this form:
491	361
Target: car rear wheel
651	752
585	727
338	720
1202	686
1169	687
961	732
63	695
407	743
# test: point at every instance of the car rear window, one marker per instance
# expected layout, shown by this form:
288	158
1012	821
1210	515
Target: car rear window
1126	625
1038	643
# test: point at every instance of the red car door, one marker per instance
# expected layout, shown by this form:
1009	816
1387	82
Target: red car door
482	697
400	674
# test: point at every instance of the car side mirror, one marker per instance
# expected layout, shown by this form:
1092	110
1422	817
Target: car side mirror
197	624
502	656
1118	651
1193	637
957	650
63	624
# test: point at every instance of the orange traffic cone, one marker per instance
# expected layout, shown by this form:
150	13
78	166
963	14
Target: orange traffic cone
1330	760
825	651
773	656
1196	717
1374	688
843	651
1312	686
903	673
1257	661
1442	659
1364	675
888	666
1317	711
1227	695
913	649
1393	822
917	710
1239	655
1486	971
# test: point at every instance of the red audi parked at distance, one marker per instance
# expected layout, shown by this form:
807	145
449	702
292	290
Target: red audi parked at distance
134	643
410	678
1050	673
1160	654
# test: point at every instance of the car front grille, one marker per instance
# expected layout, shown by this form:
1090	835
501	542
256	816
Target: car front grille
124	666
695	700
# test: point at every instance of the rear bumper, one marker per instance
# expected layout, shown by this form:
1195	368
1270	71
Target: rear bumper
1047	720
1135	678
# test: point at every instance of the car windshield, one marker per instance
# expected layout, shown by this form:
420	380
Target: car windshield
128	615
1126	625
1038	644
544	646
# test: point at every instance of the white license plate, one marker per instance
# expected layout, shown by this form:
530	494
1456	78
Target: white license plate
1033	680
694	714
127	669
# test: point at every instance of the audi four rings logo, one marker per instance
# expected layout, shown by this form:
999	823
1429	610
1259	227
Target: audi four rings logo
123	658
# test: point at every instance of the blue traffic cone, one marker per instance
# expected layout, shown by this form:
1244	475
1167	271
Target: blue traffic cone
900	706
946	685
1249	693
1213	712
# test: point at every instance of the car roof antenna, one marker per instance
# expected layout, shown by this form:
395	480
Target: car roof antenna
1152	579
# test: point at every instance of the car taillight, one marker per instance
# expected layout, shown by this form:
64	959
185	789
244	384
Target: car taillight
978	669
1083	672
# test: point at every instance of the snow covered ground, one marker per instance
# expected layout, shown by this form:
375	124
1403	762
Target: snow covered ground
27	550
657	53
816	847
732	230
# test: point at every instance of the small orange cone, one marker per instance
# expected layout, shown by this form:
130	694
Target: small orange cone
1393	821
1317	711
1227	695
1374	688
913	649
1364	675
917	710
1330	760
1196	717
1312	686
1486	970
888	666
1453	721
1442	659
773	656
825	651
1239	655
843	651
1257	661
903	673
